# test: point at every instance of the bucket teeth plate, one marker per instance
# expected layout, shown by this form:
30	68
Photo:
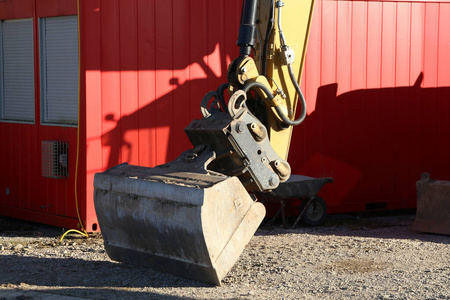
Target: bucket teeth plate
188	224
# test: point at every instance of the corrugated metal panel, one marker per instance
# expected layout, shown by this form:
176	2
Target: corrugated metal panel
156	61
148	63
365	113
32	196
378	87
59	69
17	73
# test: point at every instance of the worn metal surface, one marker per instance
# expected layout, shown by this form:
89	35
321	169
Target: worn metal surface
433	206
189	224
299	186
240	151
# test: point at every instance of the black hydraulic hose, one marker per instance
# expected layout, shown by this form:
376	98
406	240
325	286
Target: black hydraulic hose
302	99
219	92
302	116
247	28
249	85
269	29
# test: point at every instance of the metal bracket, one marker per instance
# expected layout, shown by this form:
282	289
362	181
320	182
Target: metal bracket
241	143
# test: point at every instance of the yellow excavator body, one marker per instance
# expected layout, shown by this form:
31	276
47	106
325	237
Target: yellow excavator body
296	23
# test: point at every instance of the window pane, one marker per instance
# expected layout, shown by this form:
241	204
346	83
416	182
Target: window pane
59	69
17	72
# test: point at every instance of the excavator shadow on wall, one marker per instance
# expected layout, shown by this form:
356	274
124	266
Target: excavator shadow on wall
173	111
375	143
116	141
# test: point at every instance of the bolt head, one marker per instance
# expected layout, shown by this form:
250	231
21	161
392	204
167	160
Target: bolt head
240	127
273	181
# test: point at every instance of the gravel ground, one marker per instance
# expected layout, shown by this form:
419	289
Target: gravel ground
349	257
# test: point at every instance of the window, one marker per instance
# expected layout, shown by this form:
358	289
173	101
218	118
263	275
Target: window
59	70
17	99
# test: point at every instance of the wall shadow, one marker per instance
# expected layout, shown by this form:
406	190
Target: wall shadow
10	227
375	143
161	108
167	54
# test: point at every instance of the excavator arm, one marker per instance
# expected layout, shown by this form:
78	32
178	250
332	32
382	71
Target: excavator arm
253	142
193	216
282	29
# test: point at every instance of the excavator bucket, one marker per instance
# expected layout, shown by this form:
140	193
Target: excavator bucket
433	206
178	221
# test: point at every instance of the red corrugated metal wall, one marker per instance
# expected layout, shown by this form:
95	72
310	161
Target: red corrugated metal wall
148	65
24	193
377	80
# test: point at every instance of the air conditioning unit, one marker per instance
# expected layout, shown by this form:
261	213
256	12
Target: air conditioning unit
55	159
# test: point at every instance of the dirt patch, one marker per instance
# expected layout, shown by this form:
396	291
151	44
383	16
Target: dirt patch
355	266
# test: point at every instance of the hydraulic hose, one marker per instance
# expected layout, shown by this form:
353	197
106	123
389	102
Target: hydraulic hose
220	91
302	99
280	4
247	28
252	84
249	85
266	40
302	116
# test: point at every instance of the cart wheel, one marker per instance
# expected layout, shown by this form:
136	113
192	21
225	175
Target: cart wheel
315	211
